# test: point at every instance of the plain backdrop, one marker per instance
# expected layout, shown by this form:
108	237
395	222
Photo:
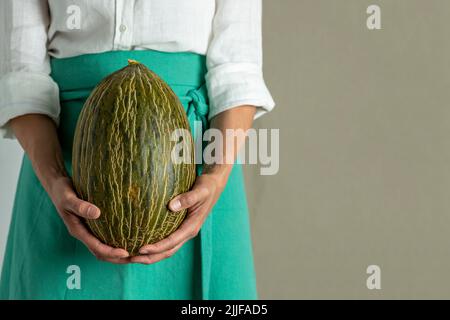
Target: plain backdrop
364	176
10	159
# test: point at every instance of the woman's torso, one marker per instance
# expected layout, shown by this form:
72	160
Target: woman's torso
90	26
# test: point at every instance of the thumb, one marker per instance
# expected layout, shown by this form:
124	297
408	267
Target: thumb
82	208
184	200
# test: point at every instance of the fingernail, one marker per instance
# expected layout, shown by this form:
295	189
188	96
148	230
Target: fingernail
125	255
176	205
88	212
91	212
144	250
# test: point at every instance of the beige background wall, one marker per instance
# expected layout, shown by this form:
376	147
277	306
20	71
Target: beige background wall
365	151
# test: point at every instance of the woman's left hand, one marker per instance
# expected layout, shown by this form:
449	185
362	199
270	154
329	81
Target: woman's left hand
199	202
207	188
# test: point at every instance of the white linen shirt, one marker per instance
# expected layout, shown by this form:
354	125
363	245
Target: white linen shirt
228	32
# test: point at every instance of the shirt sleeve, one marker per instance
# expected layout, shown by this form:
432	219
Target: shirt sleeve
25	82
234	58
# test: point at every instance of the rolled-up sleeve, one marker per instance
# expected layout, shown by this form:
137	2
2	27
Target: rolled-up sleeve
234	58
25	84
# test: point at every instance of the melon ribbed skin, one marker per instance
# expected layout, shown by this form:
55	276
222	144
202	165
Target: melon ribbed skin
122	158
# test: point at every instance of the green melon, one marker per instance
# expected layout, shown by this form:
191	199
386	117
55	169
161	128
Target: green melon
122	158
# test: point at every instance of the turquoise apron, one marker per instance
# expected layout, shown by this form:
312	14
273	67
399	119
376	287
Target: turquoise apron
42	259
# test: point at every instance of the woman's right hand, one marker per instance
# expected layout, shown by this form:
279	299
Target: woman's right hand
38	137
72	210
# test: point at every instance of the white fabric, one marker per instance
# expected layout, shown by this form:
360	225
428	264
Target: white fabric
228	32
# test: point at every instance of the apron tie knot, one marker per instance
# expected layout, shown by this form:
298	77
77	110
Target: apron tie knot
198	108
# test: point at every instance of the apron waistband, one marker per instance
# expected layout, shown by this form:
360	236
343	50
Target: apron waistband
86	71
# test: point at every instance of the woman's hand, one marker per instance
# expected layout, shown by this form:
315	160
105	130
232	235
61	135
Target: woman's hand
207	188
38	136
199	202
71	209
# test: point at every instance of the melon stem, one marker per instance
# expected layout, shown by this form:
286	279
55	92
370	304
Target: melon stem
131	61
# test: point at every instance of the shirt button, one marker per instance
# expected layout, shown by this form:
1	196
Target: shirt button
122	28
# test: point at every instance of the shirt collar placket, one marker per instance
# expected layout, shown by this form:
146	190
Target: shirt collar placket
124	24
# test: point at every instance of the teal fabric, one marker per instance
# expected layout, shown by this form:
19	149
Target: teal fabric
217	264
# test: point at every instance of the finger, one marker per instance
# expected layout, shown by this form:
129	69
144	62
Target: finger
82	208
153	258
188	199
99	249
185	232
